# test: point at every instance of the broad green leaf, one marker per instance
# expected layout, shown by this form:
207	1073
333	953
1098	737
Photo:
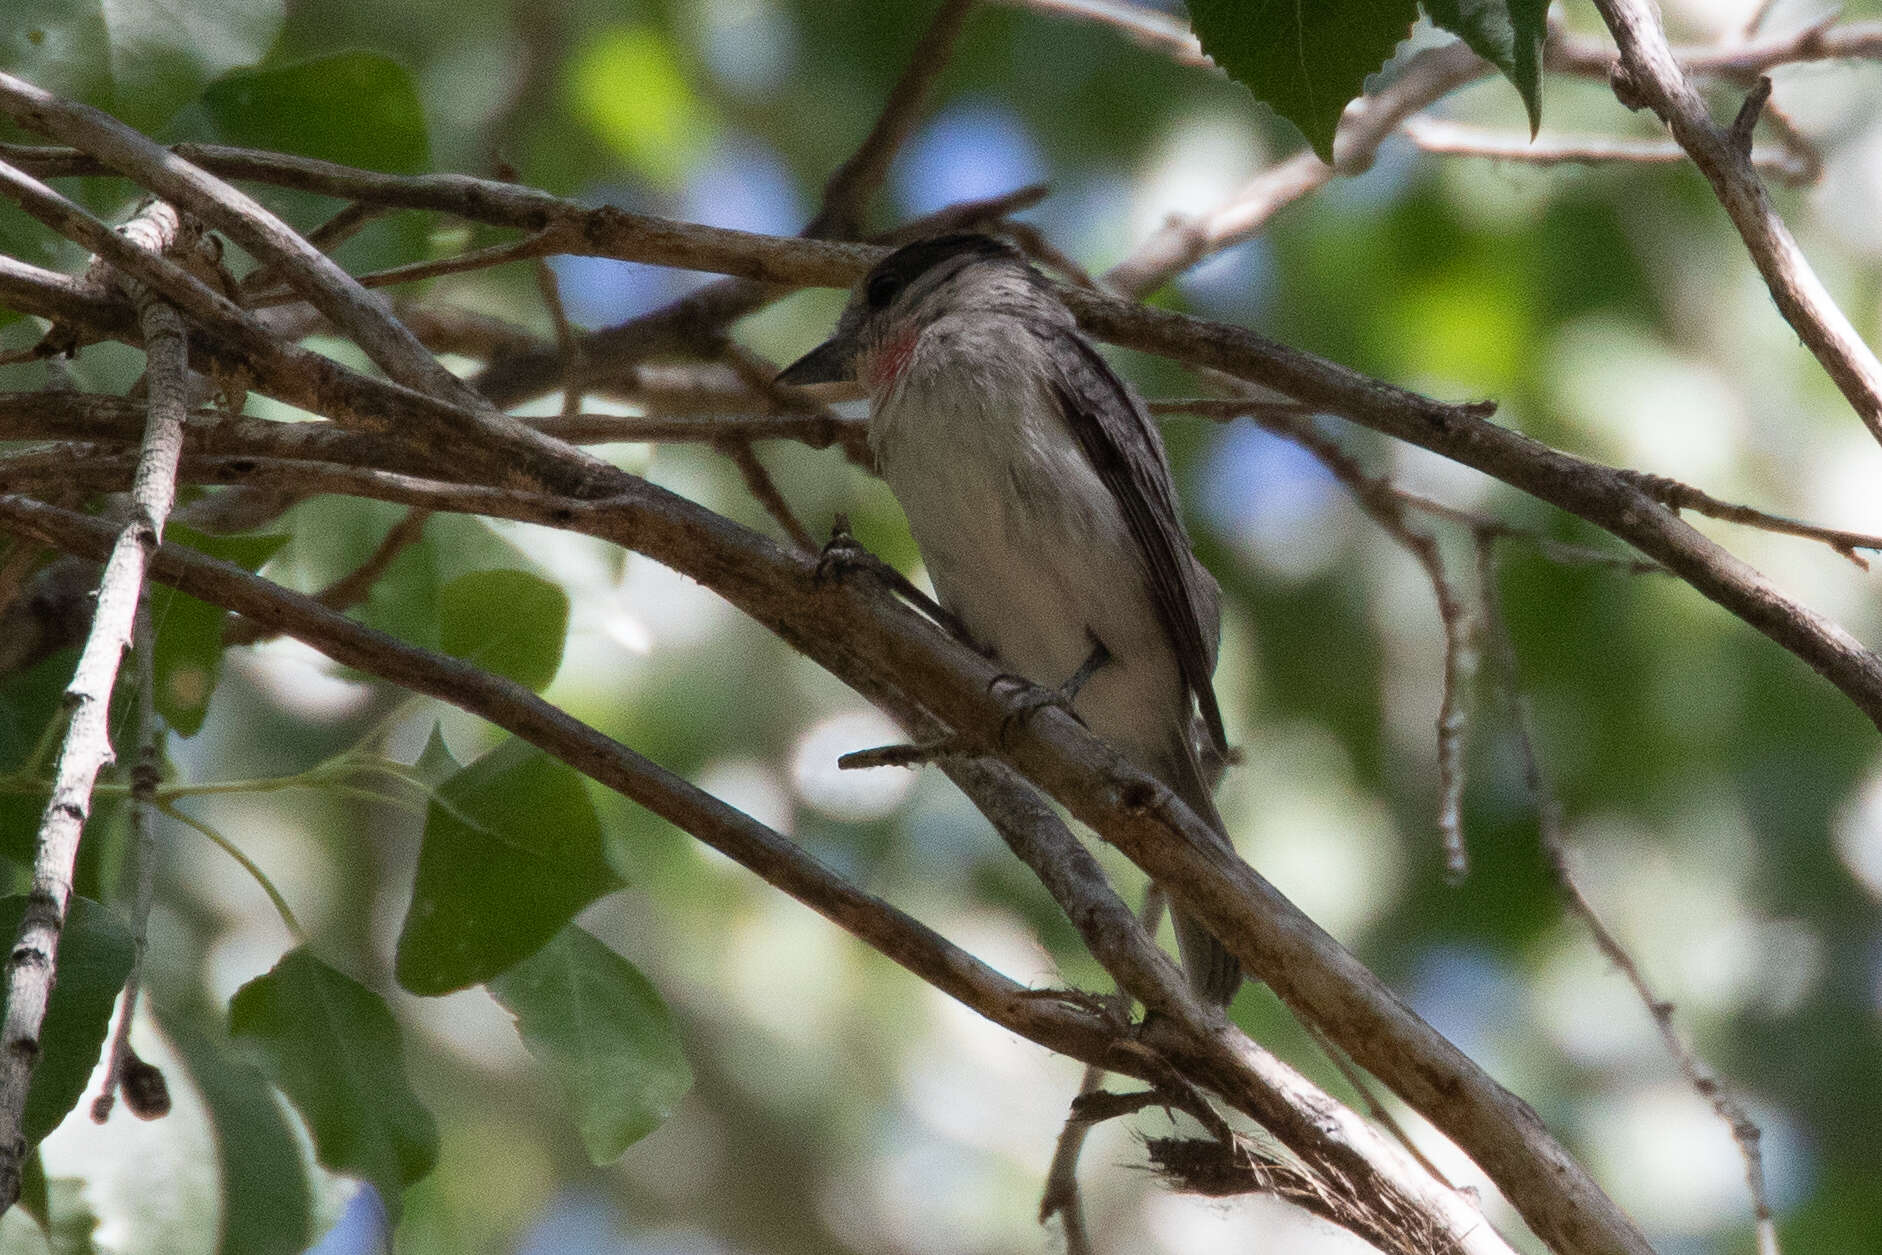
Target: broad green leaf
94	959
332	1046
1506	33
600	1028
512	850
509	622
137	59
188	659
356	108
266	1203
1305	61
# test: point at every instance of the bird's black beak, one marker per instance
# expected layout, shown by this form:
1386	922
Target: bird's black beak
833	361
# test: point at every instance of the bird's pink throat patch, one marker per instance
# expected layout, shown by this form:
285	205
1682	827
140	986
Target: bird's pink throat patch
889	360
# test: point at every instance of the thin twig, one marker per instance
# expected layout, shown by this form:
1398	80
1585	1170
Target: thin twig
30	967
536	246
1438	135
760	484
1147	27
326	237
1374	1107
1061	1196
1676	495
847	193
1385	503
146	775
356	585
1704	1081
1367	123
1649	74
566	342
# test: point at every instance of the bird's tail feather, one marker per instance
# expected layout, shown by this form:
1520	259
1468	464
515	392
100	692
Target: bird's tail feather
1213	972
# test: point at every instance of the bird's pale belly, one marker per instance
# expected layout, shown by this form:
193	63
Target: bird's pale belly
1033	556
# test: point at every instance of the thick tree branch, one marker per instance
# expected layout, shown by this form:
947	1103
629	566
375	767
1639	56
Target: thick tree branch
1379	1178
862	634
1602	495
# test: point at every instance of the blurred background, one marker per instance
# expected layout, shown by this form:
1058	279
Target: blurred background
1724	803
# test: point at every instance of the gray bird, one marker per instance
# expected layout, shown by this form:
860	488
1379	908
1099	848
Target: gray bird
1039	494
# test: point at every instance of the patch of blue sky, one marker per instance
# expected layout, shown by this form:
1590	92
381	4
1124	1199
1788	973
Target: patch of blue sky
1257	484
742	185
973	148
1088	215
362	1229
745	186
1391	174
1468	994
1235	285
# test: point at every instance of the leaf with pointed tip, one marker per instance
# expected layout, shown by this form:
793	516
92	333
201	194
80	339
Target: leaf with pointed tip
512	850
331	1045
600	1028
1305	61
436	763
1506	33
94	960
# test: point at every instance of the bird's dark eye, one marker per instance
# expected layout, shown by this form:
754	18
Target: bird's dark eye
881	290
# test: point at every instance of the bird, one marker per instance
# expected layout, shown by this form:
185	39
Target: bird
1038	492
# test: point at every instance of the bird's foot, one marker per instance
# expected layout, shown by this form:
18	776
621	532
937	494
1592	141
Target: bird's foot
843	555
1025	698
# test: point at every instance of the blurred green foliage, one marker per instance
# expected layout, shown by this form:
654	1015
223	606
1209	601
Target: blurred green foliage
1723	801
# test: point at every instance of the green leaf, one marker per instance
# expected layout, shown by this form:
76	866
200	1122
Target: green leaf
140	61
94	959
600	1028
266	1203
33	1198
512	850
333	1047
437	763
1304	60
509	622
188	656
356	108
1506	33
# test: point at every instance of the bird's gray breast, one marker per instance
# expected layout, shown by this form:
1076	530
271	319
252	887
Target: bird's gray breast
1023	540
